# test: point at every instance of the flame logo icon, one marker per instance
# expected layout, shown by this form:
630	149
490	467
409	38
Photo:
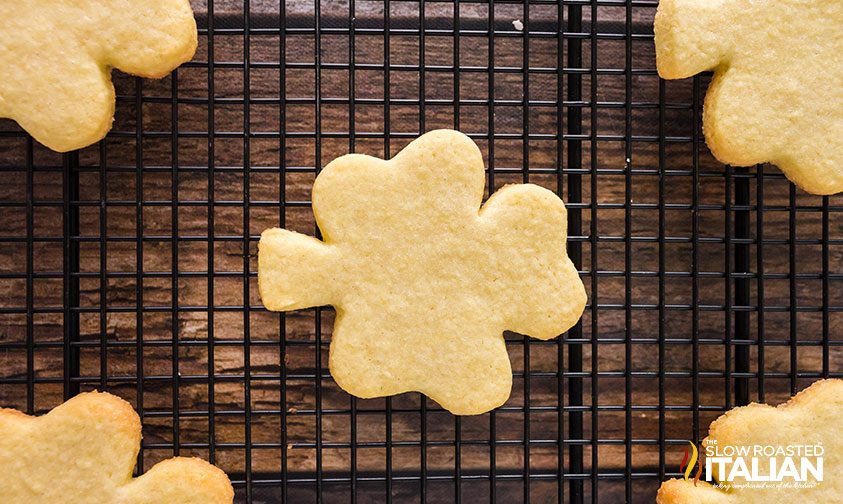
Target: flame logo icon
691	459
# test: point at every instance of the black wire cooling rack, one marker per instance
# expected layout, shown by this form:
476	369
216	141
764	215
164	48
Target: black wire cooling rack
130	266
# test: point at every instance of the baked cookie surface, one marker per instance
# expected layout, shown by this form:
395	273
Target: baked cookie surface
777	91
56	58
83	452
812	416
423	279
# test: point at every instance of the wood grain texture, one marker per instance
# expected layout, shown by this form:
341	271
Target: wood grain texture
605	324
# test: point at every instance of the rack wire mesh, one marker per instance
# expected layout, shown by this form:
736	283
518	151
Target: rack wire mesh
129	266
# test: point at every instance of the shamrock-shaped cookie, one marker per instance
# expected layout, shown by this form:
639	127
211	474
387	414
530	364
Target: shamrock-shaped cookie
811	418
56	58
777	92
423	279
83	452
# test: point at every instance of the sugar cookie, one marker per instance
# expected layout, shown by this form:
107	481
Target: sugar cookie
83	452
56	58
777	92
424	280
811	417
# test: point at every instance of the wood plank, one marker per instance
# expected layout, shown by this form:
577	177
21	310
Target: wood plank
300	360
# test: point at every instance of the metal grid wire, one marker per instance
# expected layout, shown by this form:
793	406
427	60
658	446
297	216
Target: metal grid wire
129	266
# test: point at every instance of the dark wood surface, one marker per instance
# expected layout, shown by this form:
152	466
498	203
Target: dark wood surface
618	198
